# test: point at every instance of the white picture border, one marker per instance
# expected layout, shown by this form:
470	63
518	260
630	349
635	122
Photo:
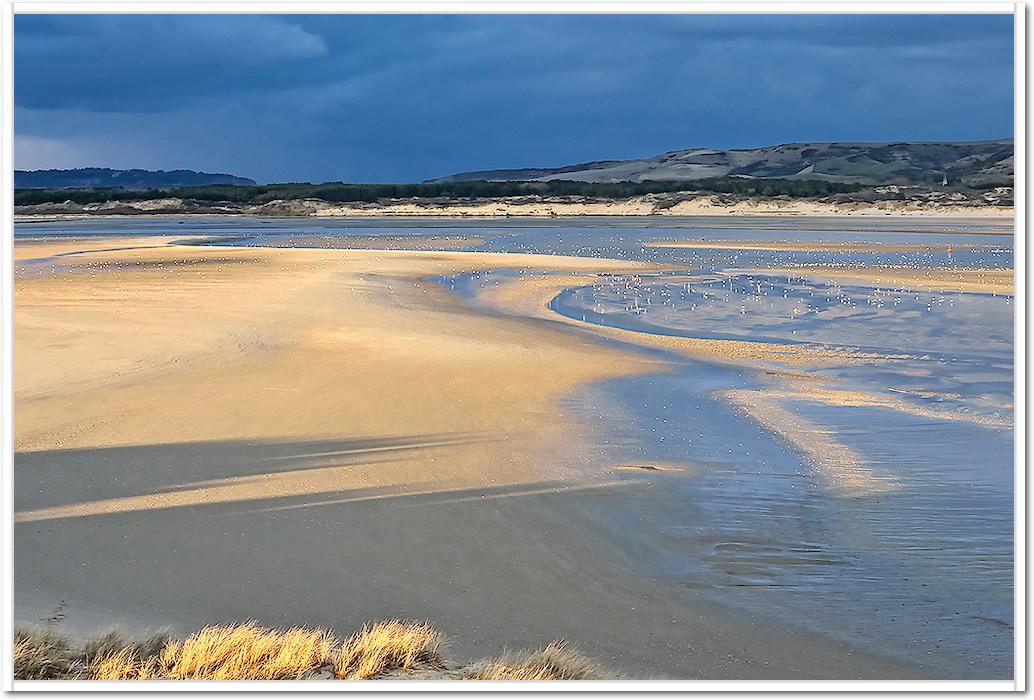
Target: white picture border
430	6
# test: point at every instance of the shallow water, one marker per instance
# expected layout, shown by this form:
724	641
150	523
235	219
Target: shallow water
921	569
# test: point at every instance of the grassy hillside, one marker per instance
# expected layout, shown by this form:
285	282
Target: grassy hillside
970	163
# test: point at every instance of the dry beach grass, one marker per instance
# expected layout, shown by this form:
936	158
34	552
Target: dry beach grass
557	661
246	651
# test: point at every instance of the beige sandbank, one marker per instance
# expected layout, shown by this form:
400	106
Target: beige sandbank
984	280
205	435
813	391
814	246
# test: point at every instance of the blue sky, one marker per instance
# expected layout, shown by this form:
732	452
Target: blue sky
397	98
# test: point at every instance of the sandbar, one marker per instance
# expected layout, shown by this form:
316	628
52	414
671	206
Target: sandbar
982	280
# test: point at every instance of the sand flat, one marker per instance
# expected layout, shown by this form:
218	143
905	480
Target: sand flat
323	437
212	315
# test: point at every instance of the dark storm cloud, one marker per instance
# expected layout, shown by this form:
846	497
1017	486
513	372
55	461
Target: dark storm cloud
389	98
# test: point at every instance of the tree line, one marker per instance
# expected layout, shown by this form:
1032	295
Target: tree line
346	192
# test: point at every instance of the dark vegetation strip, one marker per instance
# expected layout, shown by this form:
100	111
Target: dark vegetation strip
343	192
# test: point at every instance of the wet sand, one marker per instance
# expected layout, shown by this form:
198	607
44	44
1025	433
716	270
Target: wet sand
324	437
903	432
814	380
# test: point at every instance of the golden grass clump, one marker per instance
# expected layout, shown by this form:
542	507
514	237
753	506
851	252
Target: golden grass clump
244	652
555	662
116	665
389	646
250	652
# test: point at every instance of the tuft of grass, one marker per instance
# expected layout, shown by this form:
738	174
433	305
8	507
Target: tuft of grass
554	662
389	646
111	657
116	665
43	653
244	652
114	642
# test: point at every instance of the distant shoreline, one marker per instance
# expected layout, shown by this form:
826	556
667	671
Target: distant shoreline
707	205
985	221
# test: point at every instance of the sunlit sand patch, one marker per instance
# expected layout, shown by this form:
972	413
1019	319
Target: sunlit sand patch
814	246
253	489
848	398
841	467
301	482
346	474
984	280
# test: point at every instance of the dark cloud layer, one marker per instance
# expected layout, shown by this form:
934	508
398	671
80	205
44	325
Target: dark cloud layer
402	98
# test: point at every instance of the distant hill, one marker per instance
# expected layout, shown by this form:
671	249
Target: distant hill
122	179
897	163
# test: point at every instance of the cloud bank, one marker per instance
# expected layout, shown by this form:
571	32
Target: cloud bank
387	98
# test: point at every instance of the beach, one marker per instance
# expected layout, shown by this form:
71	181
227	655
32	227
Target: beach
329	434
877	213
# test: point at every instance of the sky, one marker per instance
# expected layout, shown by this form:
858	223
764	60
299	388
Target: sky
403	98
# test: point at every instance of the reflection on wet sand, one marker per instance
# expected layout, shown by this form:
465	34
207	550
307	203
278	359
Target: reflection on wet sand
843	469
830	368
